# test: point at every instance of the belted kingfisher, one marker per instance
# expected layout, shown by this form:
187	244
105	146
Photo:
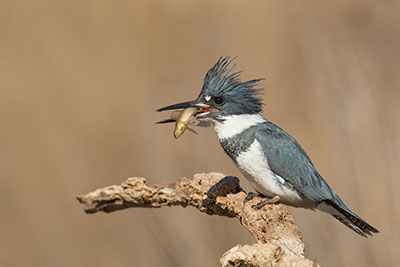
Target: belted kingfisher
274	163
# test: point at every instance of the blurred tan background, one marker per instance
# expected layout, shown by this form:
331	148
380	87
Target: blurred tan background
79	83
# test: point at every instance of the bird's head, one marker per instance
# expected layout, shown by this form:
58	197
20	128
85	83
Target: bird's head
224	94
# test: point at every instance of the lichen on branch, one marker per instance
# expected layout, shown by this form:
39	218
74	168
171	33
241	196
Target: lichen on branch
279	239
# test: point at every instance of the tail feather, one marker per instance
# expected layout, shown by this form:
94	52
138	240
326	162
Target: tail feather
350	219
352	226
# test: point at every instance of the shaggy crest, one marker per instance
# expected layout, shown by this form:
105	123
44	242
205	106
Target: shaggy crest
220	80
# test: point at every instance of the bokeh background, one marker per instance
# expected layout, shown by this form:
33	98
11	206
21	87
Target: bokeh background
79	83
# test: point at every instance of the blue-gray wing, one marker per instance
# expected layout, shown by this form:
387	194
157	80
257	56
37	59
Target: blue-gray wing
287	159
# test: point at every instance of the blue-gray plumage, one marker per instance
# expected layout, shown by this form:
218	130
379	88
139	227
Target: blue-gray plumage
272	160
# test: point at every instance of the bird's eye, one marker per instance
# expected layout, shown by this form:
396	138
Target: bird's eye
219	100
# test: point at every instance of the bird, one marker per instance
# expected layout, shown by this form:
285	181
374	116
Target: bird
273	162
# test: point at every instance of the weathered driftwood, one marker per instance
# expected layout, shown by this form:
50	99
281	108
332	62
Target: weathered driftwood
279	239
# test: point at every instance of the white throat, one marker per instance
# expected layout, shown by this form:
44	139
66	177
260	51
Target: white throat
235	124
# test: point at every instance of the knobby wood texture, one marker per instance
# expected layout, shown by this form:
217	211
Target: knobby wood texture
279	239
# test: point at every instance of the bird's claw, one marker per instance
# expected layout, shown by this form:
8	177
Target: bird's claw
249	197
264	202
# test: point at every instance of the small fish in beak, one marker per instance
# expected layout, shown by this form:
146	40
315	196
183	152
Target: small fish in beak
184	119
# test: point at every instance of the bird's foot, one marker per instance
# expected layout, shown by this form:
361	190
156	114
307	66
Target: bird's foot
249	197
264	202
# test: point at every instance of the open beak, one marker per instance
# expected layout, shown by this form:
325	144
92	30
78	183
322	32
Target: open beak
183	105
202	110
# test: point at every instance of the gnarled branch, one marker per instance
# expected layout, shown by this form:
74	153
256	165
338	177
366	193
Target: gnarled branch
279	239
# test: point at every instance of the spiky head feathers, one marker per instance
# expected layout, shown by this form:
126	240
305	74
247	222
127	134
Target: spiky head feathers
239	97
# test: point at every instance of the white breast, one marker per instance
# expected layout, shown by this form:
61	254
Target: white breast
254	166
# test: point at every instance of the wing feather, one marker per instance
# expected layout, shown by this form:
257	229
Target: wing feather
288	159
